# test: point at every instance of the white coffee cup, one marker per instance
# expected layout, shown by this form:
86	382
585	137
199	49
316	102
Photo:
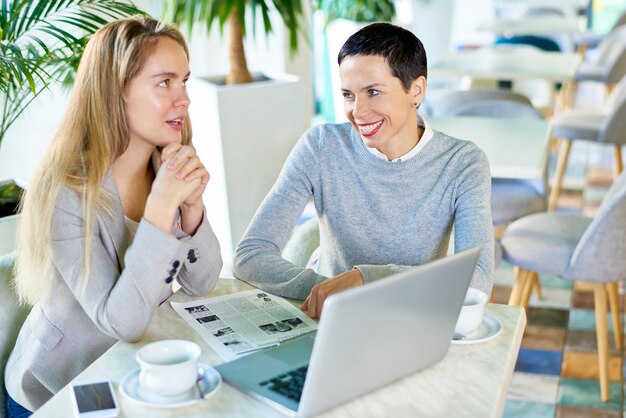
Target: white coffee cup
472	312
168	367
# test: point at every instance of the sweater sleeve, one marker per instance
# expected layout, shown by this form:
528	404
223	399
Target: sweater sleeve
472	223
257	258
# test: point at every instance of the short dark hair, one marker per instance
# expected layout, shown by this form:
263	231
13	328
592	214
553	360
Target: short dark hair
402	50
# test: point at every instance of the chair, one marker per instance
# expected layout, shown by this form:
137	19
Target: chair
589	39
575	248
608	65
606	125
303	243
510	198
13	316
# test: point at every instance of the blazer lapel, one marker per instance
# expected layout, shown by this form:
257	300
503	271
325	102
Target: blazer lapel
114	225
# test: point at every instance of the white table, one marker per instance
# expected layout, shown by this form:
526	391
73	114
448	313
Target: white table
505	63
533	25
570	7
516	148
471	381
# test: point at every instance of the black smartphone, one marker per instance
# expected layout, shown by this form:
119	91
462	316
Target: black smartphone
94	399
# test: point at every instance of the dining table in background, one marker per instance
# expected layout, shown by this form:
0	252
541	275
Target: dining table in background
507	63
471	381
533	25
515	148
511	63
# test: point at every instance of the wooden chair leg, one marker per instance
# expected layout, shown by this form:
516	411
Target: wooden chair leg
521	277
531	279
616	316
609	89
602	335
618	166
537	285
561	165
566	96
570	103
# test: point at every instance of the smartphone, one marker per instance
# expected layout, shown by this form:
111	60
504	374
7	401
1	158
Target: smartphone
94	399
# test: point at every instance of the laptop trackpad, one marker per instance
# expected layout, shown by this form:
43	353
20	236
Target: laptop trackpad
294	352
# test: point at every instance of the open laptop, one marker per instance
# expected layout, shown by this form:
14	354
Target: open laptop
367	337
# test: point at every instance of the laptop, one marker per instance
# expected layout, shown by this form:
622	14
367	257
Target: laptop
367	337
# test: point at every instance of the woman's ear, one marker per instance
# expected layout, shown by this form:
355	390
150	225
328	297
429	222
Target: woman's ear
418	90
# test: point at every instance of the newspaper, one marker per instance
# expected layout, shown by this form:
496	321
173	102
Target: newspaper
239	323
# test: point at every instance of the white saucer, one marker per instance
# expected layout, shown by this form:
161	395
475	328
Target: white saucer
489	328
130	388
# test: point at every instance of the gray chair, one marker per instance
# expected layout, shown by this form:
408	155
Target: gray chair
510	198
608	65
13	316
606	125
303	244
575	248
488	103
588	40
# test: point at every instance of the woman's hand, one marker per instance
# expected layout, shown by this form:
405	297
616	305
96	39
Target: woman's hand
180	181
314	303
185	163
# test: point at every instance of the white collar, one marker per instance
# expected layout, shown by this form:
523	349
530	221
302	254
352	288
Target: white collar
426	136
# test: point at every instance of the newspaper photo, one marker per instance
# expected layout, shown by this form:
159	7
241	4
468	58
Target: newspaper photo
243	322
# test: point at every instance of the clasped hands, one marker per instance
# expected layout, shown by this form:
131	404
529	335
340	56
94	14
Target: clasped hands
183	164
180	181
314	303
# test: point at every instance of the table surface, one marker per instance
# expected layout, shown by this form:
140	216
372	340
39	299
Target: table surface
533	25
508	63
550	3
471	381
516	148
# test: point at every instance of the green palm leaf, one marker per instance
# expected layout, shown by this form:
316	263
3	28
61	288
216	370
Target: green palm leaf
358	10
41	42
207	12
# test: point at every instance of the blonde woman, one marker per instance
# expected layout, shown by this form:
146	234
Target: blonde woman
114	212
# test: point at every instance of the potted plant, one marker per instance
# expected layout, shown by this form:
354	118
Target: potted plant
40	45
243	130
233	12
342	19
358	10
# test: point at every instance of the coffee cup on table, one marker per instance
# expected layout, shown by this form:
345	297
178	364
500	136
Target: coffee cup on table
472	312
168	367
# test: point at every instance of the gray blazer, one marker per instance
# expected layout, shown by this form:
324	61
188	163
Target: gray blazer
68	331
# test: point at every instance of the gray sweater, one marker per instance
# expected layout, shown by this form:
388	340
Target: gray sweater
379	216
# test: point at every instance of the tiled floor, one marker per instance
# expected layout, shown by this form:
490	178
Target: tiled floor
556	371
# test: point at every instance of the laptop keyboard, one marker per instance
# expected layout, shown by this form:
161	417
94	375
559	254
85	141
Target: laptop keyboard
289	384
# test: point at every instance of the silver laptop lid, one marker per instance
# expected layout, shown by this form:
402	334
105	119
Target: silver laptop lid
375	334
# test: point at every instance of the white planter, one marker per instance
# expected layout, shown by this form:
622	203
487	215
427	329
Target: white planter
337	33
243	134
8	229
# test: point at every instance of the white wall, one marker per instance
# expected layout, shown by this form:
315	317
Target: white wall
27	139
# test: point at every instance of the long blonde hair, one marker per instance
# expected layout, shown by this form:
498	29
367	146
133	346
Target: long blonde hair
92	135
